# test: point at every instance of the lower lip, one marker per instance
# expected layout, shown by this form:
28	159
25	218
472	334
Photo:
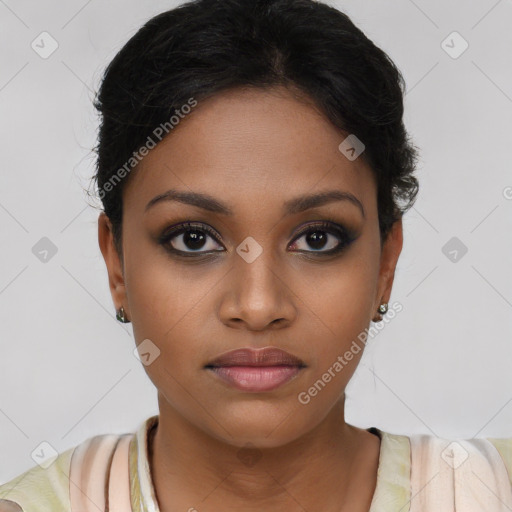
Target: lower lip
256	378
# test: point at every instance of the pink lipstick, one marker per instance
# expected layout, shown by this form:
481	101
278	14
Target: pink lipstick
254	370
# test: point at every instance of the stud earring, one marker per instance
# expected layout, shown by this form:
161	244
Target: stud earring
383	309
121	315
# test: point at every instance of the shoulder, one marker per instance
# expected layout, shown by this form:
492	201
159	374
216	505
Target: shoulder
39	488
461	471
503	446
493	453
48	488
423	449
423	472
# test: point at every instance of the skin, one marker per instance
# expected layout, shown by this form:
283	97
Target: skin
253	150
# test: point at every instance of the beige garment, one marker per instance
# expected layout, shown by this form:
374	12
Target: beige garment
111	473
459	475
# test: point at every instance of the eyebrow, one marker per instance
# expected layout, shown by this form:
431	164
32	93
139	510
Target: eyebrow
292	206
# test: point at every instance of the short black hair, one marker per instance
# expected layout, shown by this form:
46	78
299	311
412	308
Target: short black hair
202	47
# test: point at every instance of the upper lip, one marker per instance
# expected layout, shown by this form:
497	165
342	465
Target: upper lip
268	356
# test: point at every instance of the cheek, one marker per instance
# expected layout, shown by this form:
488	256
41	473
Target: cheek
169	305
164	310
341	296
156	287
339	309
338	333
161	303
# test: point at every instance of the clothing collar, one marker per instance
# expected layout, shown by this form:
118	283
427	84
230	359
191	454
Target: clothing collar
142	491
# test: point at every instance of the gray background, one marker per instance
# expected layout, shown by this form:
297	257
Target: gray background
441	367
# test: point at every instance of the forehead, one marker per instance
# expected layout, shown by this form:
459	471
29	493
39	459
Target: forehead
251	146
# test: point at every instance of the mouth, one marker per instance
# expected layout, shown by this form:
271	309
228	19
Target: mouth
256	370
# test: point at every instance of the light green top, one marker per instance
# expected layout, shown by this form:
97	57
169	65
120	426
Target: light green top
47	490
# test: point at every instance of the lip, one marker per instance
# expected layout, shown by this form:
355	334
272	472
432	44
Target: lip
256	378
254	370
267	356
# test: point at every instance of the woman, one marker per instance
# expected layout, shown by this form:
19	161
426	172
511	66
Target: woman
254	170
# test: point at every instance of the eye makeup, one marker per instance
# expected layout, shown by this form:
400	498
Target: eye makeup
188	239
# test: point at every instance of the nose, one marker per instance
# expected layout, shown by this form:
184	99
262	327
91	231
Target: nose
258	295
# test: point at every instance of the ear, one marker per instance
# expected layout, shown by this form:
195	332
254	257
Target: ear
113	262
389	257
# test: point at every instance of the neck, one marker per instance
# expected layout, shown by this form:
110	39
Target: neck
194	469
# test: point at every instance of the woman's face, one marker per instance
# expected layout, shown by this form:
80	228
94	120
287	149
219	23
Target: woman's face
264	282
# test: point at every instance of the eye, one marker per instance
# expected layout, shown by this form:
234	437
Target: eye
322	238
189	238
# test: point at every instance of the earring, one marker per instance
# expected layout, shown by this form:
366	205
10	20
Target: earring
383	309
121	315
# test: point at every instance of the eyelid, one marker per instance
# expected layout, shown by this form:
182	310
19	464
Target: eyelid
324	223
182	227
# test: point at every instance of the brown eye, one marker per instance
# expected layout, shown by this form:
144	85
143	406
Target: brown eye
323	238
189	238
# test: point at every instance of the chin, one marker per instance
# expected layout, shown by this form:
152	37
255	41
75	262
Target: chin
260	429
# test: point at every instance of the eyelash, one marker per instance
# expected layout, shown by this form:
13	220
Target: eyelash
329	226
